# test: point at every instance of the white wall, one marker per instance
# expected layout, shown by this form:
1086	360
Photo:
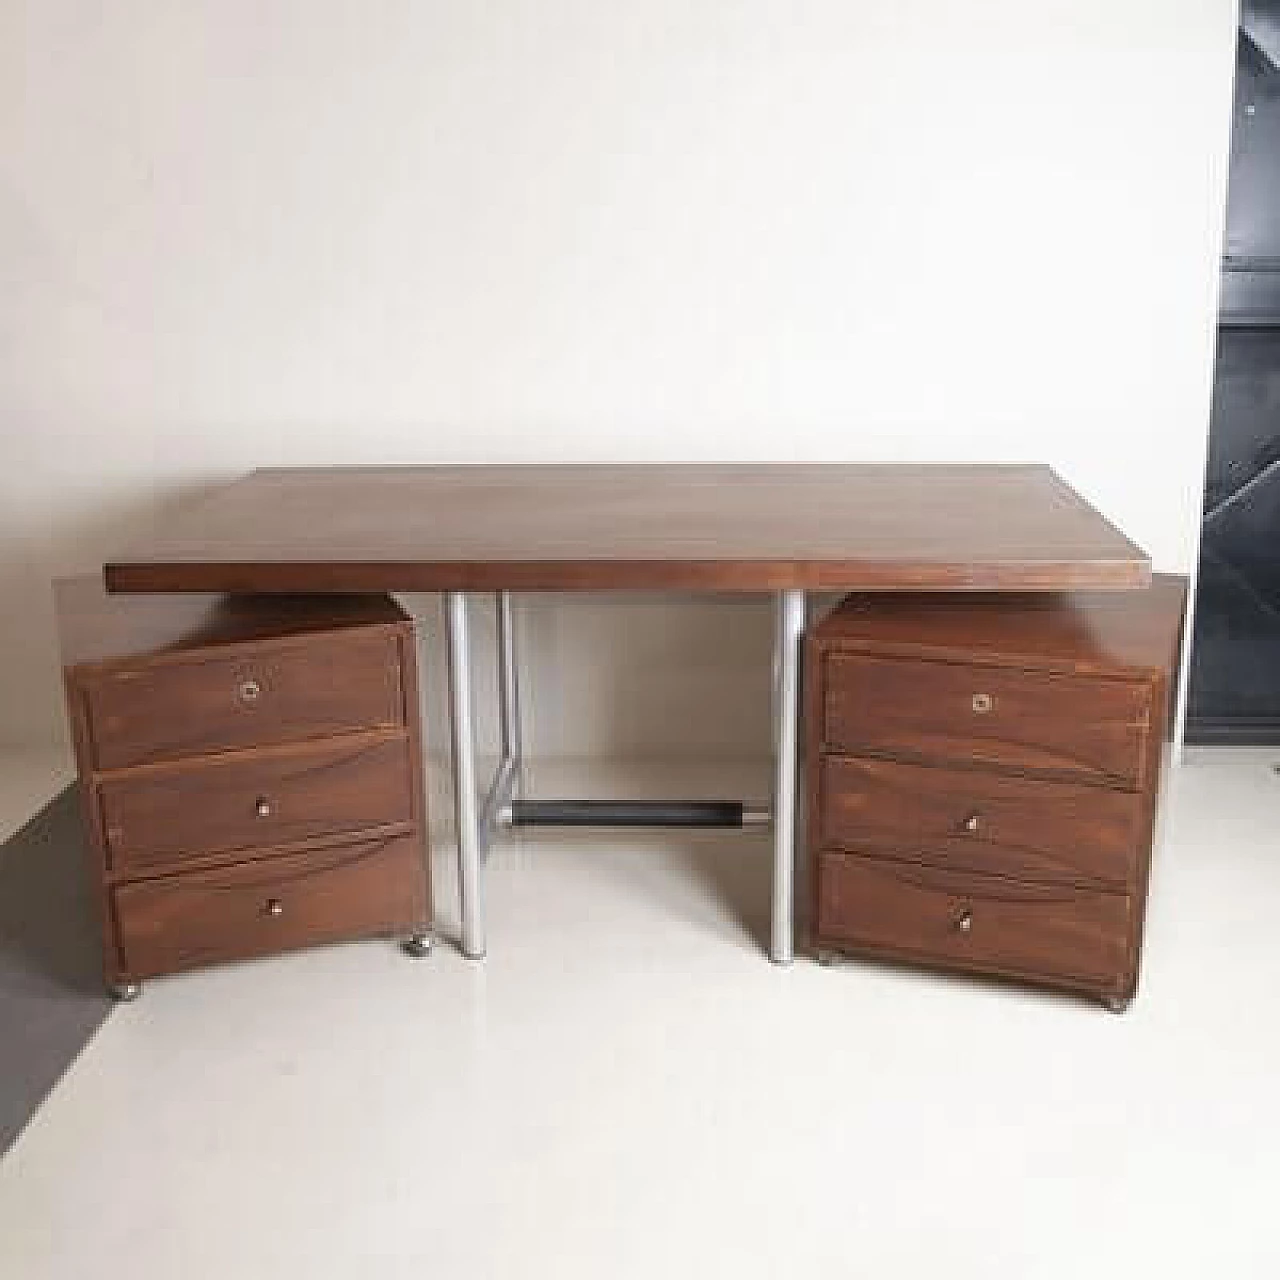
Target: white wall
236	233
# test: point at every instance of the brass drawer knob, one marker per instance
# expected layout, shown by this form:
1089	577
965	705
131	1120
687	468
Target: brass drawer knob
274	907
249	691
263	807
973	822
981	703
964	921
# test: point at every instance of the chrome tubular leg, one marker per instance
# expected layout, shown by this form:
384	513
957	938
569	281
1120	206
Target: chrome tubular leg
509	689
789	627
464	776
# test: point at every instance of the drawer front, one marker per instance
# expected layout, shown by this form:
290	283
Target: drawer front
1061	725
258	697
256	908
973	921
981	821
253	800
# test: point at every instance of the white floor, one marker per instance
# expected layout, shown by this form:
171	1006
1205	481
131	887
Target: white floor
29	778
626	1087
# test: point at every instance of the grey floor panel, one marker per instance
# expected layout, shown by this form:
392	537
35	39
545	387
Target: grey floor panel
51	995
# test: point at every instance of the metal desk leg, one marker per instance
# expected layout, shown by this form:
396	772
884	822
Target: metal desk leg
464	776
789	627
509	690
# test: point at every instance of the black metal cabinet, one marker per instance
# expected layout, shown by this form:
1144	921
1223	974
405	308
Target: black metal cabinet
1234	692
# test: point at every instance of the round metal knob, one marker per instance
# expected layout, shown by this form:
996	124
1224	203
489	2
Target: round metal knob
981	703
964	921
250	691
274	907
973	822
263	807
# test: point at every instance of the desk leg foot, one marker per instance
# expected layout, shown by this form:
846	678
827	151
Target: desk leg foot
789	627
417	945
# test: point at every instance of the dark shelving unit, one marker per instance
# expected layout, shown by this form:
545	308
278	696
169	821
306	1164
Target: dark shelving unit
1234	693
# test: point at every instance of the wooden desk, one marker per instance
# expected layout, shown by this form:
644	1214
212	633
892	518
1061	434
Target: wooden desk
780	528
754	527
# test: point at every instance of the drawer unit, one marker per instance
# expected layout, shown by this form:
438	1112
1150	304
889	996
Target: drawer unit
983	779
287	690
251	770
1055	831
245	800
989	923
271	904
1008	719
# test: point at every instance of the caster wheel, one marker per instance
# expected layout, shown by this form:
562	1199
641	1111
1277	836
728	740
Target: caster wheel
124	992
827	959
417	946
1117	1004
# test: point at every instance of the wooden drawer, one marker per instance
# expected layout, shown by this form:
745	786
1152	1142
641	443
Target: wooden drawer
256	908
258	696
1061	831
248	800
1060	725
984	923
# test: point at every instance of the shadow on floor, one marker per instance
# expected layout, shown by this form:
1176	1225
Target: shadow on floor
52	998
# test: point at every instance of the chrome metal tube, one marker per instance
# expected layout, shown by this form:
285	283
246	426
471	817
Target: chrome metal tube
509	685
496	808
789	627
464	776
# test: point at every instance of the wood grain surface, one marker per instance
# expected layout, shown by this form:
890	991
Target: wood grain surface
741	527
979	821
369	888
227	821
96	627
1059	726
986	779
1015	928
1109	633
258	694
244	799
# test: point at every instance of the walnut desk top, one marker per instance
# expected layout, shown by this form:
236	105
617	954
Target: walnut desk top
696	527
